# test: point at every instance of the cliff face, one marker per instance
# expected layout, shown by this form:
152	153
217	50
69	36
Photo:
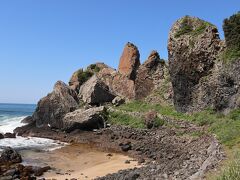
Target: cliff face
200	78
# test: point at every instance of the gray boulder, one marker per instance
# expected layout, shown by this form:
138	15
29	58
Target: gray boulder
89	119
10	156
52	108
27	120
95	92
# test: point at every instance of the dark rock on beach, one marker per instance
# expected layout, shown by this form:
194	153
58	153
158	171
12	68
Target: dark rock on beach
52	108
10	156
27	120
9	135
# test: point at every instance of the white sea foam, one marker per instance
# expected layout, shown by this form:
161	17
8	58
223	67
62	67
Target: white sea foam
9	124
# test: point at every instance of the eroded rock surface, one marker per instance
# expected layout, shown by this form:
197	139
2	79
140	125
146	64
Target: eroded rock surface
81	76
89	119
95	92
129	61
10	156
193	48
149	75
52	108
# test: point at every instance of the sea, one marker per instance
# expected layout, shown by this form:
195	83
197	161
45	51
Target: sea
11	116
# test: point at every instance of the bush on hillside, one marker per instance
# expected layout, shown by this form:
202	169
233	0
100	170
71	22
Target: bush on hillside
231	28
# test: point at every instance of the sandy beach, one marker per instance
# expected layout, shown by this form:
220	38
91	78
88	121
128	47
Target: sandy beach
78	161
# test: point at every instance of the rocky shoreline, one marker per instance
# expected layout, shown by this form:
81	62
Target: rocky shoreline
164	154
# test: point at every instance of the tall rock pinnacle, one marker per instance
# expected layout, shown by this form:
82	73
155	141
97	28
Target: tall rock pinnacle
129	61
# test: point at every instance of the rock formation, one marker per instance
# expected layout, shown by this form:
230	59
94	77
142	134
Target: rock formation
89	119
193	48
129	61
10	156
95	92
51	109
149	75
201	78
81	76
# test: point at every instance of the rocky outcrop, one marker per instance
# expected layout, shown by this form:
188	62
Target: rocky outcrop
193	48
10	156
89	119
9	135
118	84
95	92
81	76
27	120
227	96
202	77
129	61
52	108
149	75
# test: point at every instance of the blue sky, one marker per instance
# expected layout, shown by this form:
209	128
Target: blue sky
42	41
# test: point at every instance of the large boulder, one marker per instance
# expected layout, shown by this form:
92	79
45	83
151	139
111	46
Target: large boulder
193	48
89	119
129	61
150	75
52	108
95	92
10	156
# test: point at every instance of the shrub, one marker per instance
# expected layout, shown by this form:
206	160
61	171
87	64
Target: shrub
83	76
125	119
94	68
231	28
184	28
187	28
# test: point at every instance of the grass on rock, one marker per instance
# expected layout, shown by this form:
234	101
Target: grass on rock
226	127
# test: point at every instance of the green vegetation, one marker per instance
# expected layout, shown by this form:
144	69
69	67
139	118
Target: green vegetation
125	119
226	127
231	28
158	122
94	68
83	76
230	54
187	28
232	172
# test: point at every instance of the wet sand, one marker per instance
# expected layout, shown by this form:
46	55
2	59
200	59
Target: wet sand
77	161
